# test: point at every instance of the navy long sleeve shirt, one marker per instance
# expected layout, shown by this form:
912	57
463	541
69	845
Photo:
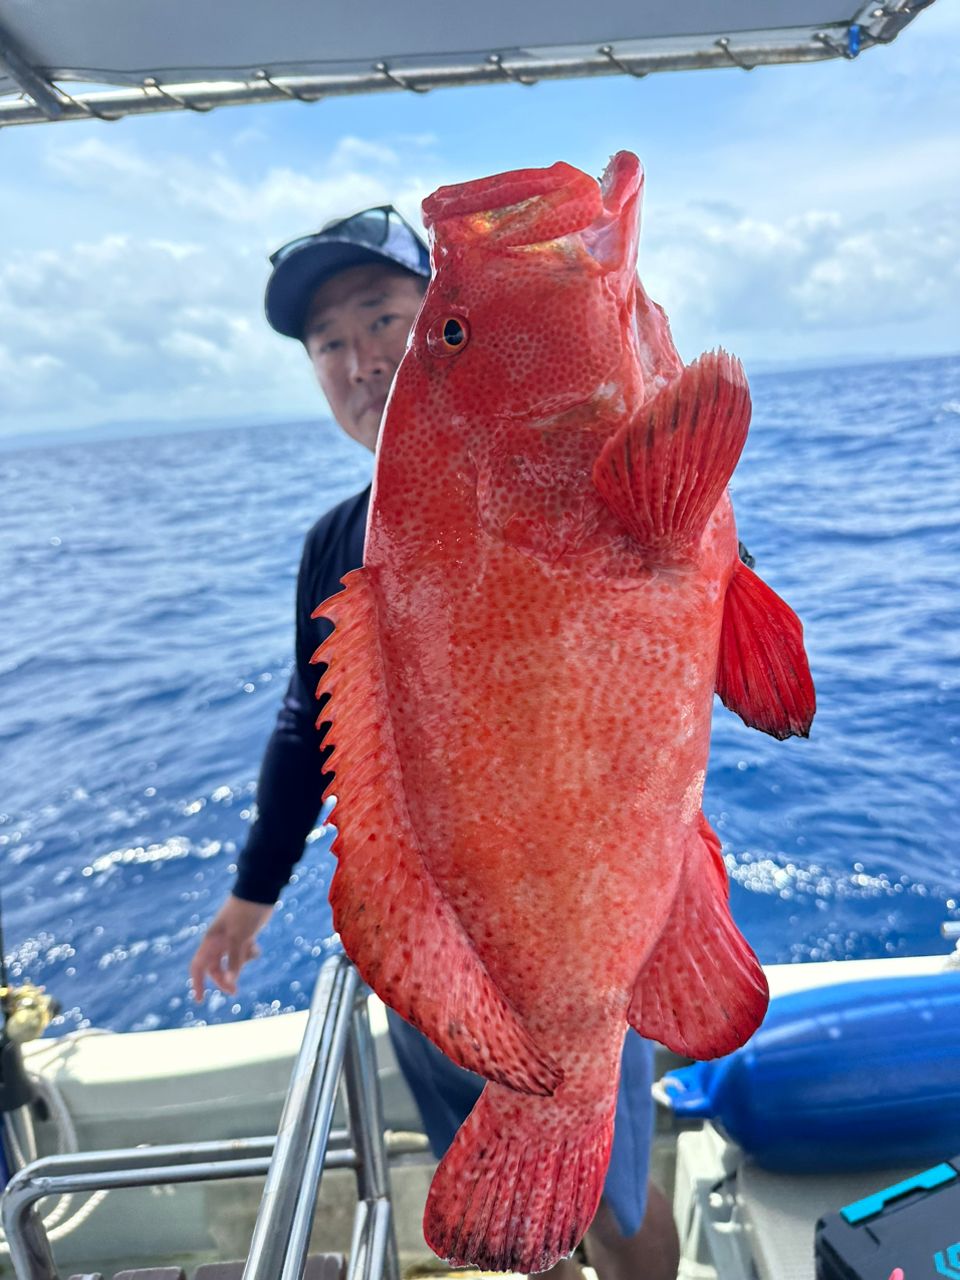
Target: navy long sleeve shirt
292	778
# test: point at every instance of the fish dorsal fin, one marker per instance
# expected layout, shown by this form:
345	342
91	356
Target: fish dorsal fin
702	992
663	472
395	924
762	669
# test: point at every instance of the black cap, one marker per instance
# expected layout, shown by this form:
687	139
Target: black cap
300	267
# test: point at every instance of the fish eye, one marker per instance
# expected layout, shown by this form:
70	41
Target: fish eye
453	333
447	335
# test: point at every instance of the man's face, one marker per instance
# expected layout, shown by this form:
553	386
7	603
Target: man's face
355	335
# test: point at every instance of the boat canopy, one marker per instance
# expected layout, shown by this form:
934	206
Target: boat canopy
185	55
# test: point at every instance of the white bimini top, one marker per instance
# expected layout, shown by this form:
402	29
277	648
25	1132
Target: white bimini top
163	55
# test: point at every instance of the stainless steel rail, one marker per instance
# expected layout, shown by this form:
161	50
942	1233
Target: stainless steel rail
374	1250
28	78
337	1043
281	1235
87	1171
113	104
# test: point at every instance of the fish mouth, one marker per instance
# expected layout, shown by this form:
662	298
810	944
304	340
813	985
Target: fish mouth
511	210
528	207
611	239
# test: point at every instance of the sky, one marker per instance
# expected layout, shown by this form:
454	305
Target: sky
792	214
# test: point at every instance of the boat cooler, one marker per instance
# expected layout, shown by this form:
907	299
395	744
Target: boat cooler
913	1225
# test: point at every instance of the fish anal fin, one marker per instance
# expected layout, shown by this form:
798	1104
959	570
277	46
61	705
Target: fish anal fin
663	473
702	992
396	926
762	669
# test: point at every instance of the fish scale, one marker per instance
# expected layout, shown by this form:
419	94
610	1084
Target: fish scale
521	678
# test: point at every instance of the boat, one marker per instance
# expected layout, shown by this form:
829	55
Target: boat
200	1151
197	1147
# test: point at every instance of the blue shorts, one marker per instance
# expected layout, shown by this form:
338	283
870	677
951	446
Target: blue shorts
445	1095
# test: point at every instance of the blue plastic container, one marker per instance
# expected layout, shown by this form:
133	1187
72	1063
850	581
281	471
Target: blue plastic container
855	1076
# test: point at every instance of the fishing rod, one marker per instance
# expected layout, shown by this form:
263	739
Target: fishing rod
26	1012
16	1092
3	951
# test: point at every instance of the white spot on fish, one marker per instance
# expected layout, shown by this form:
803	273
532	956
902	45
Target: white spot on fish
693	796
686	723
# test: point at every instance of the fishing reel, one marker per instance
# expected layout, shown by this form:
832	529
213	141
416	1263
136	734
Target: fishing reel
28	1010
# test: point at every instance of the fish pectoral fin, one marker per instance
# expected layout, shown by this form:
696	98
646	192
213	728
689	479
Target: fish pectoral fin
662	473
702	992
396	926
762	669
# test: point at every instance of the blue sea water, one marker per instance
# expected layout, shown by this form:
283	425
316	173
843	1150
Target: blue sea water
146	593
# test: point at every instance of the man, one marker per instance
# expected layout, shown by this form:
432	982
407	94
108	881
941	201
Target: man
350	294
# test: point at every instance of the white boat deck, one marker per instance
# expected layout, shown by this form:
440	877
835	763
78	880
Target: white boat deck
229	1081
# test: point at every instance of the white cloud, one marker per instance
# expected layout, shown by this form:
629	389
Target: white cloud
351	151
249	136
281	202
146	300
424	140
94	160
166	321
724	274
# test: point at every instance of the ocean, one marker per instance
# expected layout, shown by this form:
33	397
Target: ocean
146	593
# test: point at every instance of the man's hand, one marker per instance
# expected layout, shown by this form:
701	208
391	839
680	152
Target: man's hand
228	944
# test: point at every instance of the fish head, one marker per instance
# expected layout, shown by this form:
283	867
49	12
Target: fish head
532	307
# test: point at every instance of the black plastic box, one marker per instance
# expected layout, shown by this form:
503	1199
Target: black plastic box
914	1225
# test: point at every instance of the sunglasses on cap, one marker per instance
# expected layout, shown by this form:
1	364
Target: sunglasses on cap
382	229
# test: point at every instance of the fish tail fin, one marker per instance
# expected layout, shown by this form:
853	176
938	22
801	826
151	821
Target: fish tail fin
663	473
519	1185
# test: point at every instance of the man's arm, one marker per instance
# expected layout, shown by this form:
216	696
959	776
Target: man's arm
292	777
288	805
227	945
289	797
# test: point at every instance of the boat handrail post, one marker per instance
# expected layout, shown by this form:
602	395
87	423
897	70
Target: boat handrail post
272	1232
319	1118
374	1252
337	1044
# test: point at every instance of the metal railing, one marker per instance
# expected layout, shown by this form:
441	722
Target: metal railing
336	1042
44	100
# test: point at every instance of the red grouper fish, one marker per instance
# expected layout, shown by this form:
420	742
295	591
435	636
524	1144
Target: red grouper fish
520	683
